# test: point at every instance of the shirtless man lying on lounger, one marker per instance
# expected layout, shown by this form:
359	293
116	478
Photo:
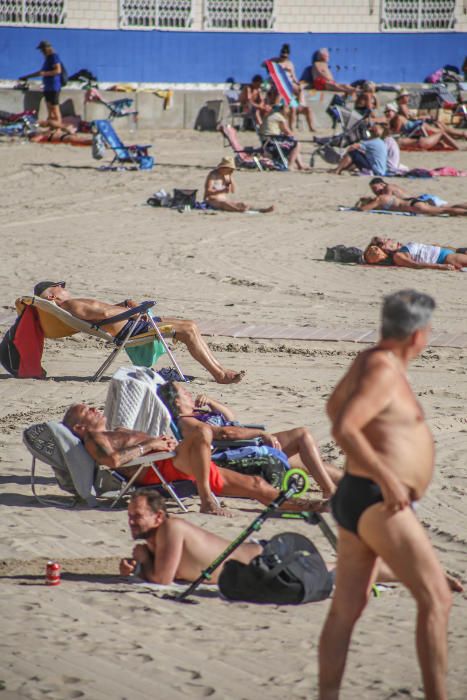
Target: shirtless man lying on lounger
418	256
220	183
379	424
192	461
177	549
184	331
297	443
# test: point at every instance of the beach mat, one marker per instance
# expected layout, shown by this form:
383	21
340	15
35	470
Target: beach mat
384	211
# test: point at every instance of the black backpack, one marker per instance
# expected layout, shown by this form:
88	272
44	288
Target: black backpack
9	355
290	570
63	75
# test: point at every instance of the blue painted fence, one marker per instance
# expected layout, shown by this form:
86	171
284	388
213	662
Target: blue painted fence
211	57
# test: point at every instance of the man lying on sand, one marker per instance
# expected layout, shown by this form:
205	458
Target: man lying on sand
418	256
192	461
176	549
184	331
191	414
220	183
379	424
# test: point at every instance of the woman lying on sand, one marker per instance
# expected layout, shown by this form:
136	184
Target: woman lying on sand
418	256
430	205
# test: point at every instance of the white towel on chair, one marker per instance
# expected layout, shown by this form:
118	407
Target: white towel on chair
132	401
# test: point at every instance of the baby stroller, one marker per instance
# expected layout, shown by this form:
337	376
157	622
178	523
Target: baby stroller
354	128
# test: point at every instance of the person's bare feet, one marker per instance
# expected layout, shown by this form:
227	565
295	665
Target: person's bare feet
454	583
230	377
211	508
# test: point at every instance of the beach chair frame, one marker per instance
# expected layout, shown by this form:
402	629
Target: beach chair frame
122	154
69	325
39	439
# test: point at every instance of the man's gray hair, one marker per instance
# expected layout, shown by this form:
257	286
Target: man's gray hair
405	312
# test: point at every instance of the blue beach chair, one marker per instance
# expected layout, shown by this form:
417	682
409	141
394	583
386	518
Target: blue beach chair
135	155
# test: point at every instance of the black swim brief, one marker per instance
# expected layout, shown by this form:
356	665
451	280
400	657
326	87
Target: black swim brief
353	496
142	326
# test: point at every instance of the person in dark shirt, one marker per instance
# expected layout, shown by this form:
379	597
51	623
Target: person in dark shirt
51	78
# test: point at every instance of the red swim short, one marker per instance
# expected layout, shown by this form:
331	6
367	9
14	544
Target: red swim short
171	473
320	83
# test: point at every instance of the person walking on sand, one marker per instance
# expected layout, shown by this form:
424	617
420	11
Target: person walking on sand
379	424
220	183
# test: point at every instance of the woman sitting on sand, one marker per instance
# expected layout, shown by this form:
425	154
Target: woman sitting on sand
219	184
418	256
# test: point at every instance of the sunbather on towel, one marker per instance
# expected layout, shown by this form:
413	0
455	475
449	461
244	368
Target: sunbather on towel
422	204
184	331
175	549
220	183
419	256
297	443
115	448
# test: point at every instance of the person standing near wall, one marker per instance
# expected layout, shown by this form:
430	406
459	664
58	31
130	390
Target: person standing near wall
51	74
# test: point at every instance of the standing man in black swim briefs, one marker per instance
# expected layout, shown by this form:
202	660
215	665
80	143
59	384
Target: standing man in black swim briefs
390	458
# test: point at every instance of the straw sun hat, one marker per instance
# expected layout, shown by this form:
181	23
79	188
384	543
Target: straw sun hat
227	162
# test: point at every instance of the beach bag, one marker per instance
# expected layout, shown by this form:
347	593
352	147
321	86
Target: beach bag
184	198
264	461
22	345
289	571
63	75
98	147
344	254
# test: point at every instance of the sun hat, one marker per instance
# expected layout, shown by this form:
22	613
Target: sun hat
227	162
42	286
402	93
391	106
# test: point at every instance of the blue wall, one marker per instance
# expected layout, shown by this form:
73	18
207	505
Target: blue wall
187	57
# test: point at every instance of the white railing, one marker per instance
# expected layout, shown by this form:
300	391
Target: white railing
417	15
160	14
32	11
238	14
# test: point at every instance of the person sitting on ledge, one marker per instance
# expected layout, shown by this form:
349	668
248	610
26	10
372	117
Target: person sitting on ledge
418	256
192	461
220	183
186	332
321	75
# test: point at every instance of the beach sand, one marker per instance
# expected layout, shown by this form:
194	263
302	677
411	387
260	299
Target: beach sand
98	636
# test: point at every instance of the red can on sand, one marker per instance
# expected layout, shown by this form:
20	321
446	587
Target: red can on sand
52	573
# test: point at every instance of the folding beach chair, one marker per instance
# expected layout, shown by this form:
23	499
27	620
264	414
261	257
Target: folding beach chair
246	157
58	323
77	473
136	155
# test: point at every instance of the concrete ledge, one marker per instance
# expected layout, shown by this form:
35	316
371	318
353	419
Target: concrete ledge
192	108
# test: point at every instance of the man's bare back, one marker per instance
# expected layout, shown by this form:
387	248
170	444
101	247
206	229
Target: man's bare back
398	433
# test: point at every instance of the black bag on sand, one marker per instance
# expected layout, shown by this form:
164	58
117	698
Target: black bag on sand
289	571
184	198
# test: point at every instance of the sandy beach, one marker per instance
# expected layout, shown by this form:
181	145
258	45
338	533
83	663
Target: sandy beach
98	636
